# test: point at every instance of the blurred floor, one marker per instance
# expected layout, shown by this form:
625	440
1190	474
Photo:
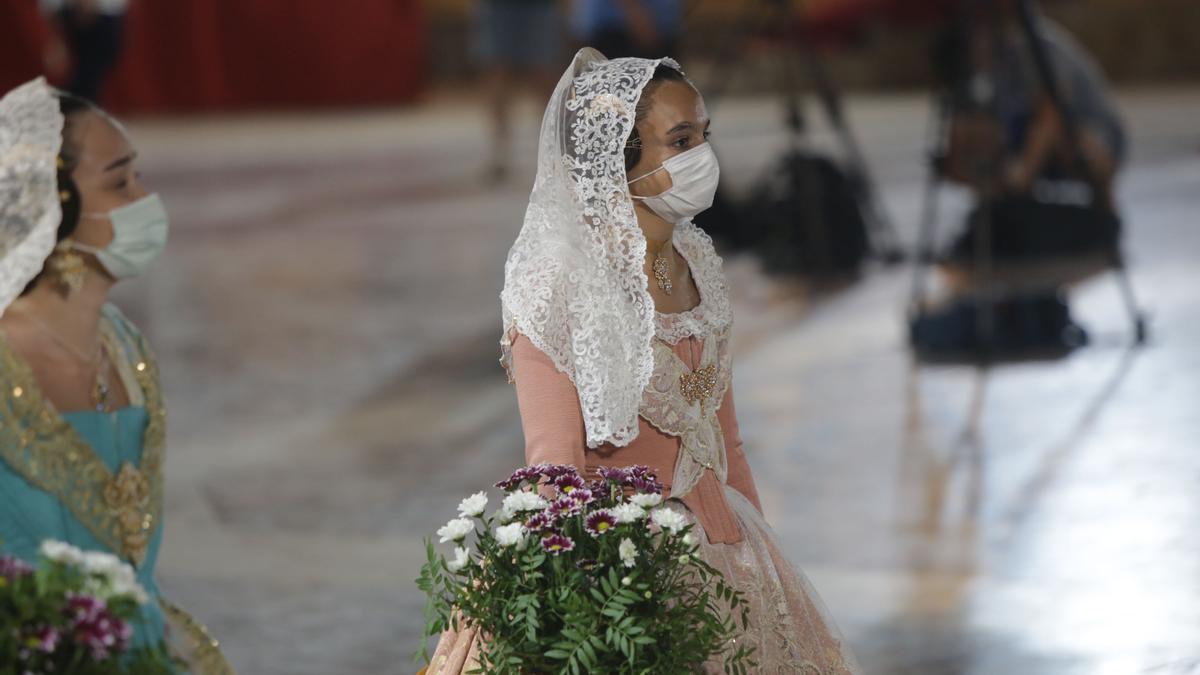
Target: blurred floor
327	317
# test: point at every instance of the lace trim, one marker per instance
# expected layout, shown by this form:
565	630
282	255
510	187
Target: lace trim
664	406
713	314
30	210
123	510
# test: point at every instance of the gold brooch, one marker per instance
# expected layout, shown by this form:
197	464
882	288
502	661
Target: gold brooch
699	384
127	496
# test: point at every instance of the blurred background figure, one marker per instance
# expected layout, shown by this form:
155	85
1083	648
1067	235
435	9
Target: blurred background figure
86	42
1026	126
1035	134
518	44
644	28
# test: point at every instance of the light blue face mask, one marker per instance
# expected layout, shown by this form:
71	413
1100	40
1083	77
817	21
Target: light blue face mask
139	237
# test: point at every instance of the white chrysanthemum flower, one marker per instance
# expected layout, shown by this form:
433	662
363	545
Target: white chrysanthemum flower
123	581
512	534
99	562
461	559
516	502
61	551
473	506
646	500
669	520
456	529
628	552
689	539
628	513
108	575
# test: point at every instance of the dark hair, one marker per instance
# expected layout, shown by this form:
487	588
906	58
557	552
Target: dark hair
71	107
633	145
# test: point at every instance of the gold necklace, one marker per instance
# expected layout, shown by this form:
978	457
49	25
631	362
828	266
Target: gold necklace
662	268
101	387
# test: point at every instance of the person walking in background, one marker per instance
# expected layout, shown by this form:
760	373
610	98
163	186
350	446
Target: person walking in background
1026	128
642	28
86	44
517	41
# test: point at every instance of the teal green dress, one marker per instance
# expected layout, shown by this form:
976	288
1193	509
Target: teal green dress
94	479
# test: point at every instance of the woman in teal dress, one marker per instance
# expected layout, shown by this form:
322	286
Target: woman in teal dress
82	419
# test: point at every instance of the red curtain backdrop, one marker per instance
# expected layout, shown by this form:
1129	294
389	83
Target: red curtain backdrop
203	55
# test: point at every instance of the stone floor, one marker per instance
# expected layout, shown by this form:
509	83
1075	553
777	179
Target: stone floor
327	317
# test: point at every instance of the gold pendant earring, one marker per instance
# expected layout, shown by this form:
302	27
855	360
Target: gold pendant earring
68	268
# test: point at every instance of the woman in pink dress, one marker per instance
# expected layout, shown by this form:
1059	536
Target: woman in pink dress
616	334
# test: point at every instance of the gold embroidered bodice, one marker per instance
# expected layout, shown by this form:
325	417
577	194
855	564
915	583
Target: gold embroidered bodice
121	509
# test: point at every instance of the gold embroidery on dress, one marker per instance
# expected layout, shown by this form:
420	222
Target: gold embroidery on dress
699	384
204	652
121	510
127	497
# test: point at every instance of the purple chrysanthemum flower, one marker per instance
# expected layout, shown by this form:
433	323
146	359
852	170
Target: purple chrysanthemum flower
600	522
95	627
582	496
47	639
642	479
639	478
83	607
568	483
556	471
613	473
518	477
564	507
12	567
541	521
648	485
556	544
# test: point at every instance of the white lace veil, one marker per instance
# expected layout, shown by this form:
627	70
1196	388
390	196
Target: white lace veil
574	282
30	137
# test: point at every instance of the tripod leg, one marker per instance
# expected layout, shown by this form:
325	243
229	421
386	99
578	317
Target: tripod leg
884	232
927	234
923	257
1125	284
985	317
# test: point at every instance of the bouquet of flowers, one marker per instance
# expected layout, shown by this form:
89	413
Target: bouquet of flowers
575	576
73	613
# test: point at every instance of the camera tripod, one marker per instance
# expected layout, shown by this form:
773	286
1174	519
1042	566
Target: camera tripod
961	87
779	18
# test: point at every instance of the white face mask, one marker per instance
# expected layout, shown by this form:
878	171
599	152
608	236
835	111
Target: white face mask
139	236
694	177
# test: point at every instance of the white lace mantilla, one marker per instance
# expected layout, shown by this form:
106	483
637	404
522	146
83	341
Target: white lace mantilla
30	136
574	282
